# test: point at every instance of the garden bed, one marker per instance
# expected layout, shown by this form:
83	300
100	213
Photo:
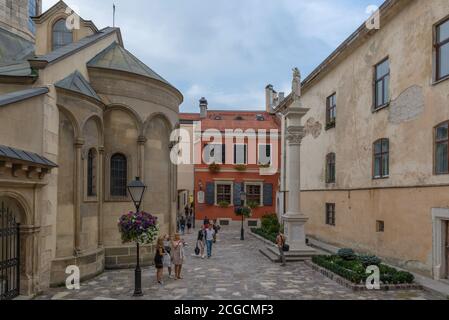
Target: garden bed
350	271
262	233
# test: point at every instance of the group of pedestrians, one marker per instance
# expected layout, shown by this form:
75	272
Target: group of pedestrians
207	236
186	221
169	252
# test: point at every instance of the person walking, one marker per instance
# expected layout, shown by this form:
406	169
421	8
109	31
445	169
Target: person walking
183	225
201	239
206	222
216	229
178	255
159	260
280	241
210	233
189	223
167	256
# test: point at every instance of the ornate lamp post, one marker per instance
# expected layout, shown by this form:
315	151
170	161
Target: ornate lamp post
136	190
242	200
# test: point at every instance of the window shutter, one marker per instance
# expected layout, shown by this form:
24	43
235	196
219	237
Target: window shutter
210	193
268	194
237	190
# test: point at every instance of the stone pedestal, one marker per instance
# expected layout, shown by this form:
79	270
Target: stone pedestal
296	235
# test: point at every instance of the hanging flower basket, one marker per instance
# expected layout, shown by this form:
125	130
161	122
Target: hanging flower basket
214	168
139	227
243	211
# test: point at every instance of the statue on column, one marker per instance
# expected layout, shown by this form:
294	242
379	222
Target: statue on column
296	83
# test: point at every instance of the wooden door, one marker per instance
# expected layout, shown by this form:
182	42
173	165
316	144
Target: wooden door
447	249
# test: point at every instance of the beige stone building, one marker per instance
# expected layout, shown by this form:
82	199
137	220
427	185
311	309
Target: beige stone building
80	117
186	170
374	156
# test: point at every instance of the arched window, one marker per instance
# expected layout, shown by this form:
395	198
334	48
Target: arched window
238	118
91	173
119	175
381	159
330	168
61	35
441	149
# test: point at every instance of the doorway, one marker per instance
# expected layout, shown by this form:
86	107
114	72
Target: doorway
447	250
9	254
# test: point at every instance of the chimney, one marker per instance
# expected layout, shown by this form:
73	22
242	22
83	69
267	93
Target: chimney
281	97
269	97
203	108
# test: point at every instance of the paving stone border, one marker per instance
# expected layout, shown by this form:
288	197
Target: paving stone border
359	287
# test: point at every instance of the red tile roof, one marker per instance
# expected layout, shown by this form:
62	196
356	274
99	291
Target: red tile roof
222	120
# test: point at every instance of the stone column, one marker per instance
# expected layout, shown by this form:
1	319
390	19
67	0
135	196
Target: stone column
100	194
294	219
79	143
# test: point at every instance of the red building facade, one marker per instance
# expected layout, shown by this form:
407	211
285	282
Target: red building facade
235	152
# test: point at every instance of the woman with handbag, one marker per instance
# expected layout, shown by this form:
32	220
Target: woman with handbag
167	257
159	260
200	243
282	246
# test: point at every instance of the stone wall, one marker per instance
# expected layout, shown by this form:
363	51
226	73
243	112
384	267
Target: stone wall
14	17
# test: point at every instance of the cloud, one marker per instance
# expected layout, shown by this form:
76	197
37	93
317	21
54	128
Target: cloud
229	50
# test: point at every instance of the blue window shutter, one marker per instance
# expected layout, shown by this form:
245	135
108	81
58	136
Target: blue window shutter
237	190
210	193
268	194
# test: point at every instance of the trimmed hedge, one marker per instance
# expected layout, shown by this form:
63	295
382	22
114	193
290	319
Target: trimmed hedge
355	270
269	236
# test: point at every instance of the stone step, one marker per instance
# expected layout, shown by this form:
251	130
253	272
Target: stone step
270	255
292	256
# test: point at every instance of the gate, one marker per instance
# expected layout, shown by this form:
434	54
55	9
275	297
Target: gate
9	255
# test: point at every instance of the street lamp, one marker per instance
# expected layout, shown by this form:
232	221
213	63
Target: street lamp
136	189
242	200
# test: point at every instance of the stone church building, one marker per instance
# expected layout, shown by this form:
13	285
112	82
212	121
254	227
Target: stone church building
80	117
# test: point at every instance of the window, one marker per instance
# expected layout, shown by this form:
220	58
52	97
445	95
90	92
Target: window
91	173
260	117
330	214
330	168
218	118
215	153
381	159
331	111
441	149
61	35
32	12
240	154
380	226
254	194
239	118
264	154
224	193
382	85
119	175
442	50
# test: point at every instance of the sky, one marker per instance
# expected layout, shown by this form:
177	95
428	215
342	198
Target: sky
228	50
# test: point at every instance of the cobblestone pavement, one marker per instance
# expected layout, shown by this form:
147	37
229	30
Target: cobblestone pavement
237	270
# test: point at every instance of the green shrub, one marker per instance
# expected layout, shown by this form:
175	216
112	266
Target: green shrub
270	224
370	261
347	254
355	271
263	234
